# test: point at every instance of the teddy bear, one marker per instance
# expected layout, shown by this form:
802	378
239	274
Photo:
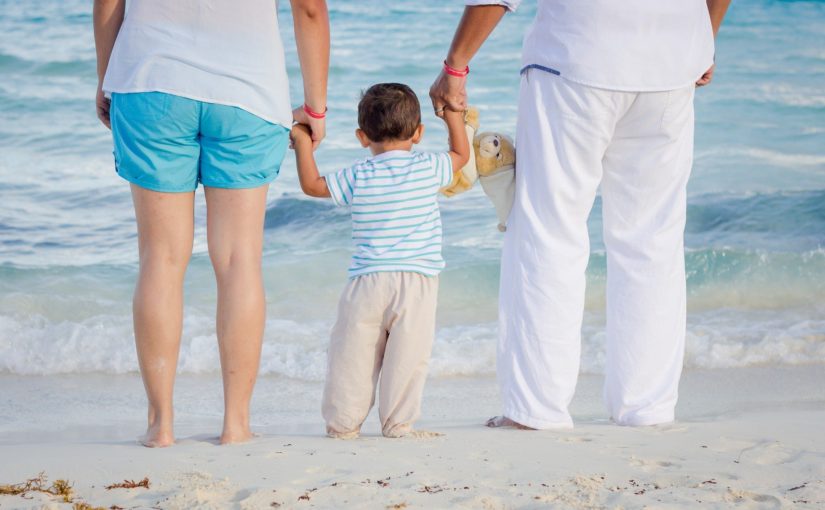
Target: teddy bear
493	162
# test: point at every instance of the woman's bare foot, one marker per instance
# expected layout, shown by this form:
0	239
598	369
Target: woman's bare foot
241	435
157	437
505	422
159	431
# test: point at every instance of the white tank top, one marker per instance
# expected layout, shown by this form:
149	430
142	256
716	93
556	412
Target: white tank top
628	45
218	51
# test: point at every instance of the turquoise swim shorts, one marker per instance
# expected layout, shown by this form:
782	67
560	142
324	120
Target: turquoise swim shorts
170	143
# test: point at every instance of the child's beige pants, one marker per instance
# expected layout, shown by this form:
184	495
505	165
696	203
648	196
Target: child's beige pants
385	328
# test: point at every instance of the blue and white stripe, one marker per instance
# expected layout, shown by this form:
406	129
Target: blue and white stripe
396	224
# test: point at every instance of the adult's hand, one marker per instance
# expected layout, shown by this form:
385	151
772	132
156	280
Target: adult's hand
317	127
707	77
103	104
107	16
716	11
475	26
449	92
311	24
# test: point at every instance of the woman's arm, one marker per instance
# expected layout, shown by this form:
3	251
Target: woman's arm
311	21
107	17
475	27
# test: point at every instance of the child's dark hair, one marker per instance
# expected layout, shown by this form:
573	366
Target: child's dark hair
389	111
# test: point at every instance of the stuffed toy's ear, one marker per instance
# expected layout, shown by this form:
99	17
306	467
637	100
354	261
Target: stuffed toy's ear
464	180
497	173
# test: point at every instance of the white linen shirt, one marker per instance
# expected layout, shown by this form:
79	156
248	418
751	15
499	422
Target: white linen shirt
218	51
626	45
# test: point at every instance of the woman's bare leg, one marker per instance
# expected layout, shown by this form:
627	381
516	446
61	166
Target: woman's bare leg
165	231
235	224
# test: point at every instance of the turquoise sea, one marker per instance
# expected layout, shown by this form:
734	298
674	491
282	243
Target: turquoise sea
756	221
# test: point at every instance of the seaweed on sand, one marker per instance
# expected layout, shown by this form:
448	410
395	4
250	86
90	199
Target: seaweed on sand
60	488
129	484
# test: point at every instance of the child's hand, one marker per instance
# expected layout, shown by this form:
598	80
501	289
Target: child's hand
453	115
300	135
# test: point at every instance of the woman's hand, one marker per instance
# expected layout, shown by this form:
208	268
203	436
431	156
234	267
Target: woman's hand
103	104
317	127
311	22
449	92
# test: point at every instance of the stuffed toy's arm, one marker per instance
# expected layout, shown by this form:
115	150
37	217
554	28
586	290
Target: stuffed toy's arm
464	180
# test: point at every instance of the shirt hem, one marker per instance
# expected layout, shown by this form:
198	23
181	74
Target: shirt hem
352	276
263	116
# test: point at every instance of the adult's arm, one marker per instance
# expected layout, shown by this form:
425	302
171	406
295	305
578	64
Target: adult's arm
107	16
311	21
717	10
475	27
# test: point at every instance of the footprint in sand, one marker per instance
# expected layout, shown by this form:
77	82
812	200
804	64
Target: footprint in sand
422	434
649	465
748	499
575	439
768	453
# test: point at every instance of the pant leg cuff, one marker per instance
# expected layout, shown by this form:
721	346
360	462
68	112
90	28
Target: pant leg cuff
538	423
645	420
399	430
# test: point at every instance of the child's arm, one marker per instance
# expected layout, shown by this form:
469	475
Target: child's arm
459	145
311	182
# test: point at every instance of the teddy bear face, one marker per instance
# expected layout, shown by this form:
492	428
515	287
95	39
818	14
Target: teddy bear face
493	152
489	146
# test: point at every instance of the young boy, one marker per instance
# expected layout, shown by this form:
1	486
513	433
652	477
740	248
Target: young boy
386	315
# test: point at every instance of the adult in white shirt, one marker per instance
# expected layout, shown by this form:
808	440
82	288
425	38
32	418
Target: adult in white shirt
606	101
196	92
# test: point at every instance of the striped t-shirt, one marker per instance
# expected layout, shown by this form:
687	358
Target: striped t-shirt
396	225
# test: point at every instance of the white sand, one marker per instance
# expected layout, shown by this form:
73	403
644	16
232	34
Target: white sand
749	438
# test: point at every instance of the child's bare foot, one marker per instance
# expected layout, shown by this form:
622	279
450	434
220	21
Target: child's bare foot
505	422
157	437
352	434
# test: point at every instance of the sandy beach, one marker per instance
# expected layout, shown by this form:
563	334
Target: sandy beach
751	415
746	438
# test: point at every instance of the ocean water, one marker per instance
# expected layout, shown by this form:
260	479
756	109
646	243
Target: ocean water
756	221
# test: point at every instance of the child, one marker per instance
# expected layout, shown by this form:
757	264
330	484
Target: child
386	315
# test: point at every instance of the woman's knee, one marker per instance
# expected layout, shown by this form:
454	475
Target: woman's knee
236	262
164	260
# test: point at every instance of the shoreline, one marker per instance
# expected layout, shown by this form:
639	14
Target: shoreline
750	437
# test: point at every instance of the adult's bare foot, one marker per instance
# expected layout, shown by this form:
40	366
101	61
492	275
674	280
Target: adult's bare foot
230	436
157	437
505	422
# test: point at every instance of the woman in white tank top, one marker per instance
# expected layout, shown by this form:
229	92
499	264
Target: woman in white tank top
196	92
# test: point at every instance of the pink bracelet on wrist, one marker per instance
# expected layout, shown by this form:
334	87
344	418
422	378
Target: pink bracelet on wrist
452	71
315	115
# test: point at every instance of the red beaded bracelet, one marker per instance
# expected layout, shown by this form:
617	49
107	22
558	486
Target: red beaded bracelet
456	72
315	115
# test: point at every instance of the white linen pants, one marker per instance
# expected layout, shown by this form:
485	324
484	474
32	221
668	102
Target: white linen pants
639	147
